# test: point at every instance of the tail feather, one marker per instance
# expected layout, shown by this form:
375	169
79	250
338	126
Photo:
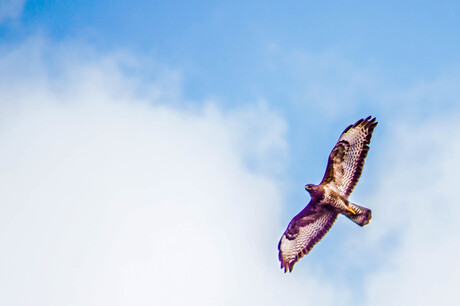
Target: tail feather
362	217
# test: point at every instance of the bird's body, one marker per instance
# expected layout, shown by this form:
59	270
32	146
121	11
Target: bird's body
330	197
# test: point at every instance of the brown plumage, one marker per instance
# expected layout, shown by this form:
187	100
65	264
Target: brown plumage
330	197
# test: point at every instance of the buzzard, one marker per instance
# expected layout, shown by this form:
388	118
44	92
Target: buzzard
330	197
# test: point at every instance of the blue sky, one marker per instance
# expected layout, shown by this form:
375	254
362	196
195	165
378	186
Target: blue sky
347	53
241	52
263	86
225	48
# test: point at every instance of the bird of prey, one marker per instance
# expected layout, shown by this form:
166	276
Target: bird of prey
330	197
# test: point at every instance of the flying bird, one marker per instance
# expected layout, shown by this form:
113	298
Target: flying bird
330	197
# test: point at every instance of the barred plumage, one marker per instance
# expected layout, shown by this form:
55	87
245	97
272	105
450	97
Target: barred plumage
330	197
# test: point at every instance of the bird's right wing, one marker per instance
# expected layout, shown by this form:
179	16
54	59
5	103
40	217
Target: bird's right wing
303	232
346	160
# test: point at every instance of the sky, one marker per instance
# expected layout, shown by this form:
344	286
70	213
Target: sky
153	152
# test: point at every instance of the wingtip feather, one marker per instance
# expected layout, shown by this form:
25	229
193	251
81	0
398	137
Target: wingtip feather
287	266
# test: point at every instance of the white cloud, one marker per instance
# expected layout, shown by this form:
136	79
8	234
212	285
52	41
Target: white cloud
109	196
10	9
117	190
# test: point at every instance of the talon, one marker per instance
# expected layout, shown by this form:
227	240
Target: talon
351	210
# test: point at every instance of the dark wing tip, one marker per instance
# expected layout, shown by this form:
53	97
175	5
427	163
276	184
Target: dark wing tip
287	266
368	121
348	127
370	128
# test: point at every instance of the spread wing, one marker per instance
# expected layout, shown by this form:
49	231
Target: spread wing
346	160
303	232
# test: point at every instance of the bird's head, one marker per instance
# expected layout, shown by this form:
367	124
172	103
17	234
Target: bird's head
312	189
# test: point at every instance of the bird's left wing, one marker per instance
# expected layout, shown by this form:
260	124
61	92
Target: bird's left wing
303	232
346	160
